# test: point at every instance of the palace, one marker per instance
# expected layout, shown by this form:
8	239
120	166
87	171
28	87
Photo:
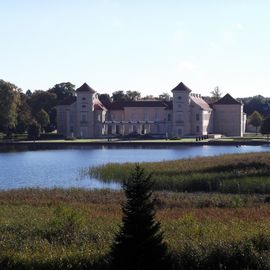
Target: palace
186	114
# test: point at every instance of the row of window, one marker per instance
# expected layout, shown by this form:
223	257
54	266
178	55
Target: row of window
134	117
179	117
118	129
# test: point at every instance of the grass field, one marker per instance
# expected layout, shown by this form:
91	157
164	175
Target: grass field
74	229
233	173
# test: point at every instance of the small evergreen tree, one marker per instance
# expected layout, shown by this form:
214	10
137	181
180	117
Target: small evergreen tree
265	127
255	120
139	243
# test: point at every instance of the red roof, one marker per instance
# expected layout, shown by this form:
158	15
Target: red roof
200	102
98	105
227	100
181	87
85	88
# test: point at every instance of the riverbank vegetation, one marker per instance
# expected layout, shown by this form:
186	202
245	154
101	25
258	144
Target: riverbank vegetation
74	229
233	173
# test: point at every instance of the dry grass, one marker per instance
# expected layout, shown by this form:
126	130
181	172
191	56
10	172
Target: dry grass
74	229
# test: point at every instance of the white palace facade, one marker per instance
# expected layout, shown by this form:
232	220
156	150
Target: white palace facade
186	114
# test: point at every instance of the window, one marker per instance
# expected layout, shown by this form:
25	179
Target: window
179	97
197	117
83	106
169	117
83	117
84	98
157	116
143	129
71	118
179	117
197	129
145	116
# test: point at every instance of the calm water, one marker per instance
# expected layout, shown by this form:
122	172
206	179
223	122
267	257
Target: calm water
61	168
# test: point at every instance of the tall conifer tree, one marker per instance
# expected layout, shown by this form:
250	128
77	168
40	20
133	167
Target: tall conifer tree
139	243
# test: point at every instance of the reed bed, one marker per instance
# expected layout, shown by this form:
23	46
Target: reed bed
233	173
74	229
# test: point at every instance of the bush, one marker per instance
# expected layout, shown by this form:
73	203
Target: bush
66	225
51	136
34	130
175	138
70	138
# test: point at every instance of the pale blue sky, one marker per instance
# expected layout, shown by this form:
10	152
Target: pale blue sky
149	46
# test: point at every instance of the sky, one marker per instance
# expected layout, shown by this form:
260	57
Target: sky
144	45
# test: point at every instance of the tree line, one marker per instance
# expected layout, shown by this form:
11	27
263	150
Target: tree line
19	111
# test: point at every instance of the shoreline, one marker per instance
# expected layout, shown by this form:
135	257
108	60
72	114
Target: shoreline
136	143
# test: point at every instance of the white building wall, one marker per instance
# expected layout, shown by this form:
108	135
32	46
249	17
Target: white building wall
208	122
186	118
228	119
181	114
85	115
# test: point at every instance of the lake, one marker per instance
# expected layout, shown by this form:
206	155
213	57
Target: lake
62	167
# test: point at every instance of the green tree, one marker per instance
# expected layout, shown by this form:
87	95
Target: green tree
164	96
255	119
24	114
132	95
33	130
139	243
46	101
265	127
216	94
9	102
42	100
119	96
63	91
43	119
104	98
255	103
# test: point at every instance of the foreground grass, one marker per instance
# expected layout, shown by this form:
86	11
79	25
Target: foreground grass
74	229
233	173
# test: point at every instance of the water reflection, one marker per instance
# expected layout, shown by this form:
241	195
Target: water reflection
48	168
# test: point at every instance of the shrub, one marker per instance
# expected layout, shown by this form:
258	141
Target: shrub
34	130
65	226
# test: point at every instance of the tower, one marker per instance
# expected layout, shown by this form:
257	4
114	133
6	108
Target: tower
181	110
85	112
